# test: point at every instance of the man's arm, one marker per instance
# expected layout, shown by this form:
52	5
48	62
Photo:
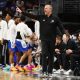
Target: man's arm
32	16
75	46
60	26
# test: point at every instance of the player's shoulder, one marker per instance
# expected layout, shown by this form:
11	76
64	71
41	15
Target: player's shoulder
4	21
11	20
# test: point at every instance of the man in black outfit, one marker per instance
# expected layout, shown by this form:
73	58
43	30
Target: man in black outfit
48	31
70	51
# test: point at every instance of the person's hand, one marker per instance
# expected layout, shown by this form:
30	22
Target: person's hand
69	51
28	40
57	51
34	37
18	10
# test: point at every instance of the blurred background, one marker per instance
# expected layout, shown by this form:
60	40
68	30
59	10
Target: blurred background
67	10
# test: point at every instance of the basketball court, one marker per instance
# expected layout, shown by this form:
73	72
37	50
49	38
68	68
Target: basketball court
15	75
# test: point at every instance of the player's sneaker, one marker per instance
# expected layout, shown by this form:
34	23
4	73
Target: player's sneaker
28	67
1	66
19	68
7	67
60	71
69	72
44	75
13	68
38	68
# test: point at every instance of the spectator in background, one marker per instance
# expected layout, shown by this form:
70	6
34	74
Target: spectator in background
21	5
69	49
78	40
11	6
75	58
58	52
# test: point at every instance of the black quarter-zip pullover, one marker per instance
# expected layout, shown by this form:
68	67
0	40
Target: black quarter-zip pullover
48	26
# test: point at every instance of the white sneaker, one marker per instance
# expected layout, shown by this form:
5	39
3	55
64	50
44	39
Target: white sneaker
60	71
54	70
69	72
50	75
44	75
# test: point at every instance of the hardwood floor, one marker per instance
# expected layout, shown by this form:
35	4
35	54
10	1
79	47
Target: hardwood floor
7	75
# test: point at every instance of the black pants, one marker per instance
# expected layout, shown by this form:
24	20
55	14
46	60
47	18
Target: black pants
75	61
59	59
1	57
5	52
66	61
47	55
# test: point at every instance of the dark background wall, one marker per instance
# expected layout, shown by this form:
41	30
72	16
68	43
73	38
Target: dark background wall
69	13
67	10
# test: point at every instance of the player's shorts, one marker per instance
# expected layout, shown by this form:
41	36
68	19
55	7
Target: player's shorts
11	46
20	46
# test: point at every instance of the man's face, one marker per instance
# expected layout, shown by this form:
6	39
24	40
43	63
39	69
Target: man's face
17	20
47	9
65	38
